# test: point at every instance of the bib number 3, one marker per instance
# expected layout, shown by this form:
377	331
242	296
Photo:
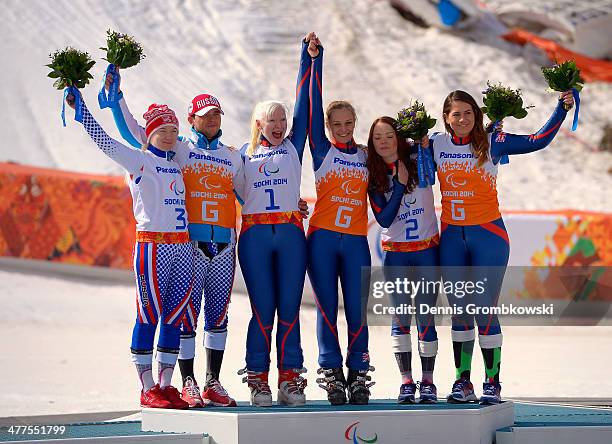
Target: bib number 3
181	222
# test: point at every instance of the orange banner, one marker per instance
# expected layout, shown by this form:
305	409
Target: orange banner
591	70
65	217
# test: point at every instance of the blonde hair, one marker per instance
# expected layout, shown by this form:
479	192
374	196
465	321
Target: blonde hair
339	104
262	111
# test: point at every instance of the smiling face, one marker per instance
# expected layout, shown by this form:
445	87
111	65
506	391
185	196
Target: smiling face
274	125
385	141
341	125
460	118
164	138
209	124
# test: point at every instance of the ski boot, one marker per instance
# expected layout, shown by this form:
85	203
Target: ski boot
261	395
335	385
291	387
358	386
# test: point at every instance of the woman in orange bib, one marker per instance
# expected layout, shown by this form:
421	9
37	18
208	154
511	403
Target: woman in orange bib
337	241
473	232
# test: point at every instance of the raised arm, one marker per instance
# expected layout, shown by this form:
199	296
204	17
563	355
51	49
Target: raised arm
127	157
319	143
509	144
128	127
300	112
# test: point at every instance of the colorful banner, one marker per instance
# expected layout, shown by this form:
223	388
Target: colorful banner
87	219
65	217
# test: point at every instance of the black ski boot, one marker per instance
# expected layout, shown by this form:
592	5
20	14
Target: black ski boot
358	386
335	385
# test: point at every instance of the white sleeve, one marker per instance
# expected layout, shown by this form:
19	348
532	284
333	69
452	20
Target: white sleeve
239	178
127	157
135	130
182	150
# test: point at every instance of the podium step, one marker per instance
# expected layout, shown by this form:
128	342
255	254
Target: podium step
538	423
382	421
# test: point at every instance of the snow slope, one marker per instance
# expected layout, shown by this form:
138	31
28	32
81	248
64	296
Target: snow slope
246	51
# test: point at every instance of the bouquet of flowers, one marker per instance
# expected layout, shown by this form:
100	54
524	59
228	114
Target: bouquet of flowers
563	76
414	123
70	67
122	50
501	102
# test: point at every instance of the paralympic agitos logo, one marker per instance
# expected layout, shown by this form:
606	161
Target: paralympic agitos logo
346	187
178	191
205	180
408	201
455	183
268	168
350	434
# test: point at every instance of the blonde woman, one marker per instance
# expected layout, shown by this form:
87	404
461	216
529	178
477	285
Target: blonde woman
272	246
338	243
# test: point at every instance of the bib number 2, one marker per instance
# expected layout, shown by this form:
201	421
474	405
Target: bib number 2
411	226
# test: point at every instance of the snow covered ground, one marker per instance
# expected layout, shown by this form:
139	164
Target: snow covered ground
246	51
64	348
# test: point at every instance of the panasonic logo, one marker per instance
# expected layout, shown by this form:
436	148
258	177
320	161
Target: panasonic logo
350	164
444	155
271	153
168	170
197	156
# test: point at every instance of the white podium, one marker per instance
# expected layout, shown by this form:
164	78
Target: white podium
380	422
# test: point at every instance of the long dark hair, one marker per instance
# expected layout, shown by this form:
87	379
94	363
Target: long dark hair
377	167
478	135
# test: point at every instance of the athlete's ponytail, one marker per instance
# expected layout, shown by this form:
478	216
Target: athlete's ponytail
261	112
478	135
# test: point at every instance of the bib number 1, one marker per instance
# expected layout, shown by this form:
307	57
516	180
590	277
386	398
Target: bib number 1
272	205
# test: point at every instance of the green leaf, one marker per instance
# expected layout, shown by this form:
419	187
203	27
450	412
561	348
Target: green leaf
70	67
520	114
563	76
